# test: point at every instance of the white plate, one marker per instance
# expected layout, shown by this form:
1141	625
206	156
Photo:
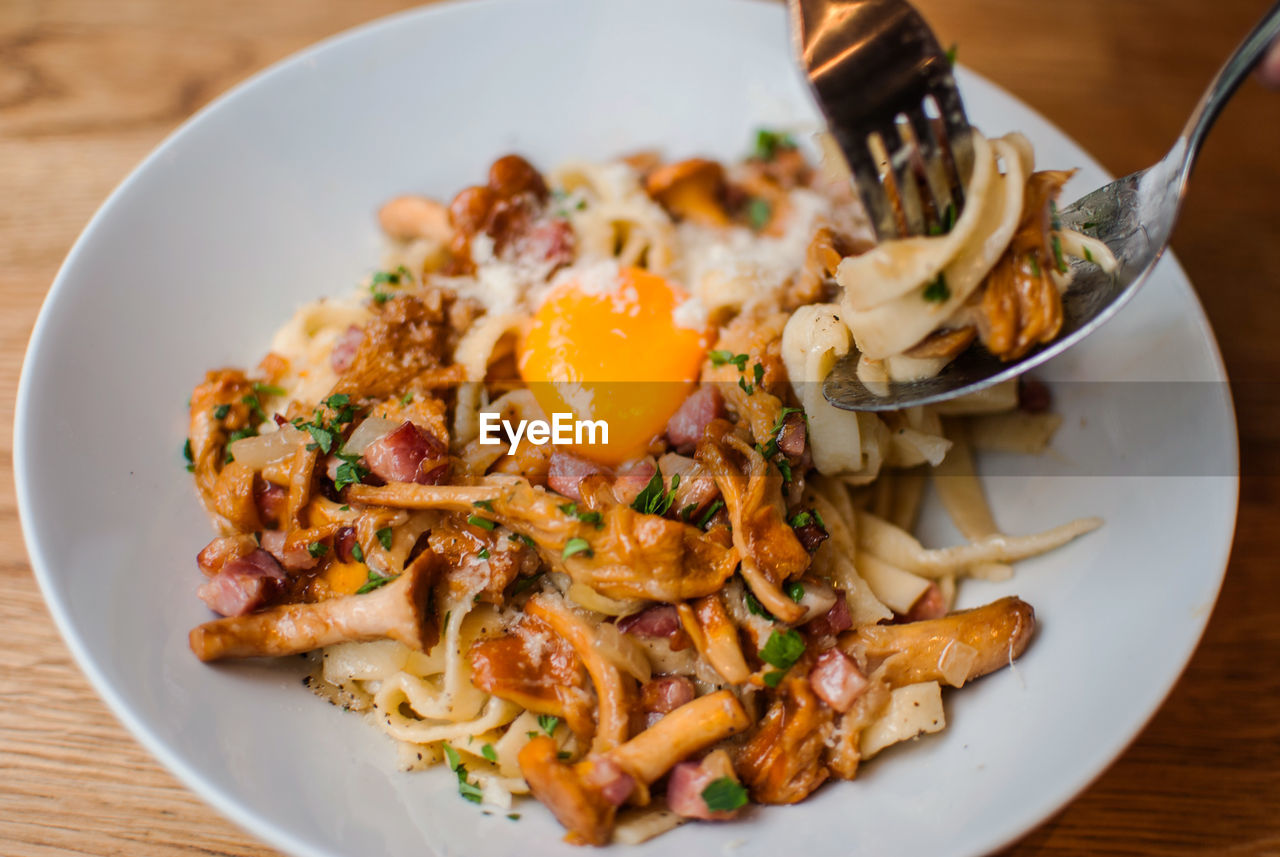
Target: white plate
266	199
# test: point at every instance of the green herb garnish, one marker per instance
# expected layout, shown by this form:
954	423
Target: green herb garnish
220	412
317	549
769	143
724	794
186	453
482	523
655	499
795	591
951	54
548	723
349	472
357	552
937	291
384	536
754	607
783	649
572	510
268	389
576	546
1058	261
489	753
720	356
483	553
375	580
706	516
759	213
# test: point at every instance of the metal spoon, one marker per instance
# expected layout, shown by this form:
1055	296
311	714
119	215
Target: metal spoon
1133	216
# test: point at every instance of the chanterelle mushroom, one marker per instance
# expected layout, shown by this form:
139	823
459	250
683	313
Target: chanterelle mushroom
691	190
398	611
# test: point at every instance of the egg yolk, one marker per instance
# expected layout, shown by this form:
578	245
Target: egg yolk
615	355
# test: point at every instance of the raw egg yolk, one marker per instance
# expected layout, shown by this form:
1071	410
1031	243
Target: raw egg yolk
612	354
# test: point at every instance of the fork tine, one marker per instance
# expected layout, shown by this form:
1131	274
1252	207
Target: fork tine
930	174
865	164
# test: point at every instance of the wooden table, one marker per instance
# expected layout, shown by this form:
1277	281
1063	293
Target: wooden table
88	87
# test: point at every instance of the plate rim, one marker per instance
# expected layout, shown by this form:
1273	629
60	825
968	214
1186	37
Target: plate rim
227	803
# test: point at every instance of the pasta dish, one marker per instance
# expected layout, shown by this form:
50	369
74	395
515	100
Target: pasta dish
555	500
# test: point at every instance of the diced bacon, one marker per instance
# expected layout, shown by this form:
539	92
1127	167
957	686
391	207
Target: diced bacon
345	348
664	694
687	424
406	454
659	621
222	550
344	544
632	479
837	619
811	534
615	784
930	605
272	500
792	435
550	240
687	782
565	473
244	584
294	559
836	680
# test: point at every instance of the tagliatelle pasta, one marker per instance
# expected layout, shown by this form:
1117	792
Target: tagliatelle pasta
555	500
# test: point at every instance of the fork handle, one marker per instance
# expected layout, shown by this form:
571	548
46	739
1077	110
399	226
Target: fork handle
1228	79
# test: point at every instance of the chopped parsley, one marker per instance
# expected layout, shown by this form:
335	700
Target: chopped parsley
384	536
514	816
769	143
375	580
186	453
1058	261
774	677
951	54
655	499
746	388
564	755
220	412
572	510
255	408
349	472
483	553
783	649
548	723
1088	224
754	607
268	389
757	371
759	213
398	277
720	356
406	399
489	753
576	546
805	517
482	523
795	591
317	549
937	291
487	505
1033	264
523	539
326	434
724	794
466	788
687	511
710	513
1088	257
357	552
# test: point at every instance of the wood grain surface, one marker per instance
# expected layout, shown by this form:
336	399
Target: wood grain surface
88	87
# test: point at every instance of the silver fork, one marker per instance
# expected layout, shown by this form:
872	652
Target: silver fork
891	103
1134	216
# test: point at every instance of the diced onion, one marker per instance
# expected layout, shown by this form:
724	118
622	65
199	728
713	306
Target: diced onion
956	662
622	651
817	600
367	432
585	596
266	449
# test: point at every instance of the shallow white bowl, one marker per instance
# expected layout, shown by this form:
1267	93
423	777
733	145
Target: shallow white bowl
265	200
